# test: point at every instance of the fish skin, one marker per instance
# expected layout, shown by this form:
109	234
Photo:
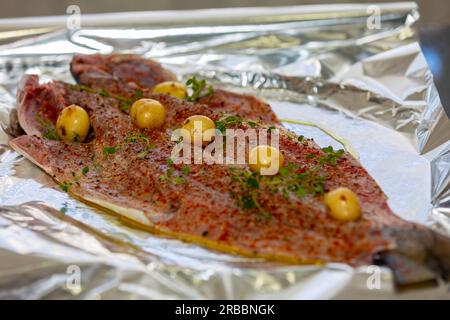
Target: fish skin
123	74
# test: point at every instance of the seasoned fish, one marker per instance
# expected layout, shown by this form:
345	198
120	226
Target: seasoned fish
122	75
128	170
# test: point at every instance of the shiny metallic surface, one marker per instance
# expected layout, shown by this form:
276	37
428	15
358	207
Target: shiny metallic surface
371	87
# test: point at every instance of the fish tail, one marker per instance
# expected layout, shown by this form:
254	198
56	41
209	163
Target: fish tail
421	255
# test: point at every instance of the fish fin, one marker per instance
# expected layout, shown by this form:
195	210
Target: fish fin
38	104
50	155
26	109
35	149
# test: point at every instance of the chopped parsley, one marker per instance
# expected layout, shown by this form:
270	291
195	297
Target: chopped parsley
103	93
179	180
227	122
291	180
51	135
143	153
200	89
308	182
247	202
64	186
185	170
109	150
252	124
141	137
331	156
124	103
269	130
136	138
249	185
138	94
83	88
85	171
284	171
170	173
252	182
49	130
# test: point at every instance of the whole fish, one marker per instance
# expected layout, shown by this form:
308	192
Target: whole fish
222	207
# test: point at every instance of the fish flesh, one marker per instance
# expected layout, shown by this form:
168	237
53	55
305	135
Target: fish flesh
123	74
127	170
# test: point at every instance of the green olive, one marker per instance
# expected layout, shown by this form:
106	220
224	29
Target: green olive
173	88
197	125
264	157
148	113
73	124
343	204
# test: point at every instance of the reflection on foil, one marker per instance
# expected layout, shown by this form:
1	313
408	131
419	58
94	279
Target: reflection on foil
440	182
370	86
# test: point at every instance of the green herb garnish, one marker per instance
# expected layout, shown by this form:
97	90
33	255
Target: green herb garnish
143	153
138	94
284	171
64	186
227	122
179	180
185	170
109	150
252	182
103	93
247	202
198	89
83	88
331	156
249	185
124	103
135	138
85	171
252	124
171	176
132	139
50	131
291	180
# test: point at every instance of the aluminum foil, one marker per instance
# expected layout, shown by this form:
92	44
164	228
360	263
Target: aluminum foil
322	65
